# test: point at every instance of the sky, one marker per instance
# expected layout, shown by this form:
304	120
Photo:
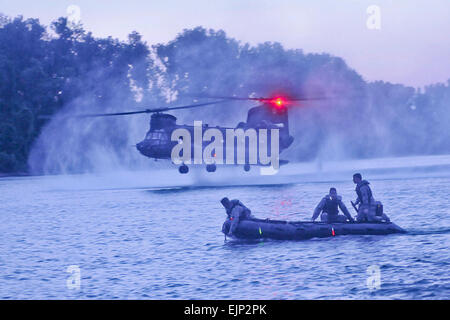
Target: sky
400	41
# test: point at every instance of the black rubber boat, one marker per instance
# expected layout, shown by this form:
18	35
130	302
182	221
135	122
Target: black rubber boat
301	230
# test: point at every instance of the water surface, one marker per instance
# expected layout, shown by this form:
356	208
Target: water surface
166	243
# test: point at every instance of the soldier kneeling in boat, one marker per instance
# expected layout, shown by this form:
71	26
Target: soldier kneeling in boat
236	211
369	210
329	207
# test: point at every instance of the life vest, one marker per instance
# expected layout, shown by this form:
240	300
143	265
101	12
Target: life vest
331	205
358	191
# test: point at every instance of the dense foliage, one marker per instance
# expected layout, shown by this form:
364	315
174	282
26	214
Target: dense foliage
63	68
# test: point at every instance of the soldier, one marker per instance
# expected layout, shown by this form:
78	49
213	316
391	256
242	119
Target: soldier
236	211
329	207
366	210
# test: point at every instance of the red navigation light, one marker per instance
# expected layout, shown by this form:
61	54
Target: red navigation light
278	102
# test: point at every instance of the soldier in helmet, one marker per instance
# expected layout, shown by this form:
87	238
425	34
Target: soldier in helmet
367	204
329	207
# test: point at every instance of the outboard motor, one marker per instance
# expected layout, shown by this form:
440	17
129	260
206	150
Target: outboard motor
378	208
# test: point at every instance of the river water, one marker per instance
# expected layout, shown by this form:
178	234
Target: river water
132	240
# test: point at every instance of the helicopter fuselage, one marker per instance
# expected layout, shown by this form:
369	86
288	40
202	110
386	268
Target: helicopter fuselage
163	139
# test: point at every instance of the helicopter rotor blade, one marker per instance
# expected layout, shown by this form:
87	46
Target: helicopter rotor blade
193	105
227	98
95	115
263	99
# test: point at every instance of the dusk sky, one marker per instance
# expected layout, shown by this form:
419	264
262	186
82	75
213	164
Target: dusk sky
411	47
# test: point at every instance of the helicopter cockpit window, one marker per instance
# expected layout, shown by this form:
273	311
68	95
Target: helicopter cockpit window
157	136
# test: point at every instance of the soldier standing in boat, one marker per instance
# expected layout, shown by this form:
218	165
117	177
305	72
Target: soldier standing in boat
329	207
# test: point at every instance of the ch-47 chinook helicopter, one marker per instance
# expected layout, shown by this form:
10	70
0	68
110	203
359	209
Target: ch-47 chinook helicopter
158	144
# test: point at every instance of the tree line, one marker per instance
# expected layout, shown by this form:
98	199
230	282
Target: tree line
45	71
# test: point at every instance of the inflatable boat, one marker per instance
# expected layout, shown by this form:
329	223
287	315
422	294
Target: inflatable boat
301	230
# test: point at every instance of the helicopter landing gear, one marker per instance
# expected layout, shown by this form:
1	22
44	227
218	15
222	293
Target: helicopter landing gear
183	169
246	167
211	167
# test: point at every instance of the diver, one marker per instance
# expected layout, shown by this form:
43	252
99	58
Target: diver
236	211
329	206
367	210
